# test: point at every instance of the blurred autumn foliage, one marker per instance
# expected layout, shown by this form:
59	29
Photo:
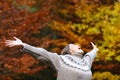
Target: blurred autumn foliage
52	24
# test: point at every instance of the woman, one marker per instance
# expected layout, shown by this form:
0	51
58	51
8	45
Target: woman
70	65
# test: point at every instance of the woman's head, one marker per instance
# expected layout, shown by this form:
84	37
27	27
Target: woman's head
72	49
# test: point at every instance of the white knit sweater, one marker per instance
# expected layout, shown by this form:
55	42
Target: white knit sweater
69	67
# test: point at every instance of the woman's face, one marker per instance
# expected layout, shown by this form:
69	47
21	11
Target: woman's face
75	49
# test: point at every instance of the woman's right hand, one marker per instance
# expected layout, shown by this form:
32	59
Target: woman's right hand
16	42
94	46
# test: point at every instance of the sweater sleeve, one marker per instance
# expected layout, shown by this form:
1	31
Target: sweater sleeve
90	56
37	52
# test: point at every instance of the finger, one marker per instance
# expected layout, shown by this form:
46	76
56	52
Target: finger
15	37
9	42
10	45
92	43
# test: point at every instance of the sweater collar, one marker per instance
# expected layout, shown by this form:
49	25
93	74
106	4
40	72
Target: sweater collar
75	61
77	55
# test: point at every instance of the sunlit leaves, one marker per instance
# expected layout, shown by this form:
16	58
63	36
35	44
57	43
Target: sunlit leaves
104	21
118	58
17	20
53	25
79	28
105	75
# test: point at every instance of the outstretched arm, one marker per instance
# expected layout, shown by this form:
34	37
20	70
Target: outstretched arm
16	42
53	57
90	56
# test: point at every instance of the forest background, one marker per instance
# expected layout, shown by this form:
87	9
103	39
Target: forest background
52	24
